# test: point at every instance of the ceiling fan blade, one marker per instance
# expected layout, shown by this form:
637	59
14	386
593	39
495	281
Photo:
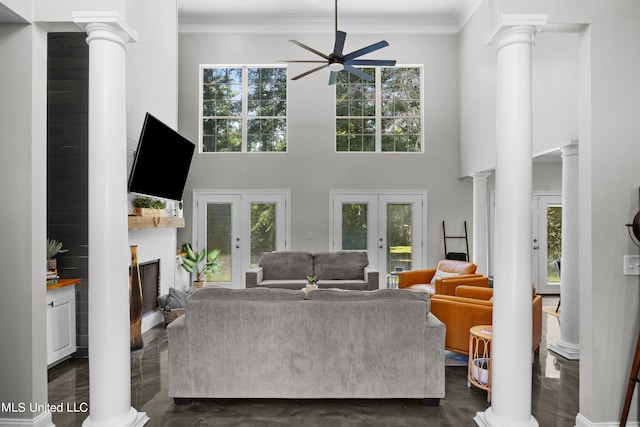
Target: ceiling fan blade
310	49
294	61
357	72
339	44
333	77
309	72
372	62
366	50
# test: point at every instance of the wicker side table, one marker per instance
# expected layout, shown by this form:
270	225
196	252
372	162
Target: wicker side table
479	373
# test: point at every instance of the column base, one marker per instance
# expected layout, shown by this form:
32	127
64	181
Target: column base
132	419
567	350
489	419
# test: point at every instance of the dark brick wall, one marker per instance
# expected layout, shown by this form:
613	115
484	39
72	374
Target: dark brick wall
67	163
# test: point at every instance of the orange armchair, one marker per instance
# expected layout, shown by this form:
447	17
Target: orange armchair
471	306
456	273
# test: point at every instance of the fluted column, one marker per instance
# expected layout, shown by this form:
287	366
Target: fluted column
109	354
480	248
569	344
512	312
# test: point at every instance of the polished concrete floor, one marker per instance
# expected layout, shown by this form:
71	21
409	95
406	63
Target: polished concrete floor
554	396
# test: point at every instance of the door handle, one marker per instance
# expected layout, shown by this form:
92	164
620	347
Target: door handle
536	248
50	304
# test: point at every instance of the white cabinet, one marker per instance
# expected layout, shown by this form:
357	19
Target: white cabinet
61	323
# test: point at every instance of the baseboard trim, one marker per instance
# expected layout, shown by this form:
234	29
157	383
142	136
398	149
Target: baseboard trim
582	421
42	420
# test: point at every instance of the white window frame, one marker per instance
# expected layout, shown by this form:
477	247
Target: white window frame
378	112
245	116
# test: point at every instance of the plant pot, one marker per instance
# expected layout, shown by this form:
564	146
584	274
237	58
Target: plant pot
481	370
199	283
52	264
148	212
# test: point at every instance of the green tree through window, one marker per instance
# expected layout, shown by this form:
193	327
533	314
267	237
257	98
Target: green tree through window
244	109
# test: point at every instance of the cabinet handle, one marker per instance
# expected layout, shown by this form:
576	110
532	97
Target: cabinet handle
51	304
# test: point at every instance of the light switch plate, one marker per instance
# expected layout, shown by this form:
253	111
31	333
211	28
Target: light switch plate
631	265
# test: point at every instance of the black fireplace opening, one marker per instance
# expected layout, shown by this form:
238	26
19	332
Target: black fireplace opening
150	283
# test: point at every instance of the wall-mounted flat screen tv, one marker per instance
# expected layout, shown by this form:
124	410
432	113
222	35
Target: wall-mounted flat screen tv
161	163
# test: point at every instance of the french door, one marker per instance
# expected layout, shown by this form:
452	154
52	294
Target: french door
546	234
389	226
242	225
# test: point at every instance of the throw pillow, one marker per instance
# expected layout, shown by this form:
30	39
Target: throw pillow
441	275
176	299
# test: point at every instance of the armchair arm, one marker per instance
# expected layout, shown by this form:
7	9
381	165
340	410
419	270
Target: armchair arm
413	277
253	277
474	292
448	285
371	276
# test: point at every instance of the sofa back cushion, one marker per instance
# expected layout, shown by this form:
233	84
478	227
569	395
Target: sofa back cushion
342	295
342	265
286	265
249	294
454	266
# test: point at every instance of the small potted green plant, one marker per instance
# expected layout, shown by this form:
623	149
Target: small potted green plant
146	206
200	263
53	248
312	283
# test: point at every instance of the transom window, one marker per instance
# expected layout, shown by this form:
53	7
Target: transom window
382	115
244	109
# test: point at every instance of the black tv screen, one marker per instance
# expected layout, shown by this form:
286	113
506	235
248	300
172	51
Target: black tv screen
161	163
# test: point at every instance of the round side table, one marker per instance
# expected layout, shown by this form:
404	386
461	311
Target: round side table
479	373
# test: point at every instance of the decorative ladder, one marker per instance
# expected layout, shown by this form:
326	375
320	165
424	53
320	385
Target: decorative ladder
460	256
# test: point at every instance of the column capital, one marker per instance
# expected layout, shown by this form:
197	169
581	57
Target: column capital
111	23
515	29
480	176
569	150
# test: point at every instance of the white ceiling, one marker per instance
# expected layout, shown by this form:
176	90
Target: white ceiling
432	16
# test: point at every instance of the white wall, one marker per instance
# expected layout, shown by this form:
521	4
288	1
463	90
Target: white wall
555	113
311	167
23	229
606	122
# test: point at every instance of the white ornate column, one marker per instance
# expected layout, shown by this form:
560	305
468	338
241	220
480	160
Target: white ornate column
480	248
569	344
109	350
512	312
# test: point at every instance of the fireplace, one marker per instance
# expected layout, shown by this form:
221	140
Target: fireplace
150	282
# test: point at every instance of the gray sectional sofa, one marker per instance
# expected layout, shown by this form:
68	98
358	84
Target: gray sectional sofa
289	270
329	343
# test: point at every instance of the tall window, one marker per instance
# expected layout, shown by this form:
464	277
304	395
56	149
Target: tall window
383	115
244	109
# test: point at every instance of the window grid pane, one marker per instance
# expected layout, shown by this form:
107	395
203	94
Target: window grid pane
355	111
265	118
399	112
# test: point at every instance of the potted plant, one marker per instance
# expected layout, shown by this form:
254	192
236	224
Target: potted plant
145	206
200	263
312	283
53	248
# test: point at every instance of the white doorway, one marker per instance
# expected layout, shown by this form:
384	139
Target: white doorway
243	225
546	235
388	225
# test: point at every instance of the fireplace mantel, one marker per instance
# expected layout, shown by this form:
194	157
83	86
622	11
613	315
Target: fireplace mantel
149	222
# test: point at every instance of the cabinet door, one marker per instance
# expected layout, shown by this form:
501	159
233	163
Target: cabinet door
61	323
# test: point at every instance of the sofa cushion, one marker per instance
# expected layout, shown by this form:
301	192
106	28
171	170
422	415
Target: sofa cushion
286	265
250	294
343	265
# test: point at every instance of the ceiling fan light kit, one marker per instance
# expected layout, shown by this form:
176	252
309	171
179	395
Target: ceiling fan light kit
337	61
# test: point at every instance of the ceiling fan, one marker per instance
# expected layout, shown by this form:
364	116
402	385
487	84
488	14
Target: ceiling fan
337	61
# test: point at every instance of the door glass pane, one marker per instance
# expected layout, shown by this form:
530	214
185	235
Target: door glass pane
354	226
399	236
263	230
554	242
219	237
